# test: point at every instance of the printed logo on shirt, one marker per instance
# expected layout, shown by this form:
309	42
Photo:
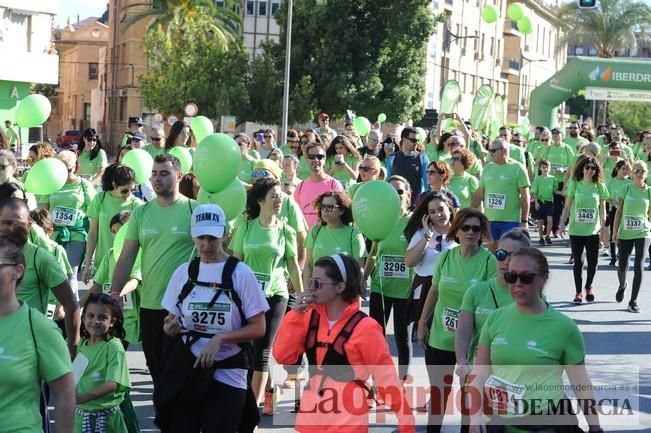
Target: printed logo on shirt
448	279
484	310
149	232
7	357
500	340
97	377
532	345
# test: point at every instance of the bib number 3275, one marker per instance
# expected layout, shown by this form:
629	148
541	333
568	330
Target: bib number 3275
210	320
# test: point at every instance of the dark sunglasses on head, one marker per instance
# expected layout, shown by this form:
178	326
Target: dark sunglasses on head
501	254
468	227
525	277
317	156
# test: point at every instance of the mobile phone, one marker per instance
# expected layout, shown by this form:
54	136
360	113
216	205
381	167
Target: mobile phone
615	152
259	136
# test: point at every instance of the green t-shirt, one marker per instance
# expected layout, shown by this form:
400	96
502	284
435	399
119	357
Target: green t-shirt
453	275
103	207
352	189
254	153
290	214
528	353
501	184
154	151
130	301
464	187
265	250
246	169
68	208
635	222
481	300
391	276
42	273
515	153
107	362
544	187
626	151
326	241
560	158
165	241
572	141
23	367
303	171
584	214
608	164
340	173
615	185
89	168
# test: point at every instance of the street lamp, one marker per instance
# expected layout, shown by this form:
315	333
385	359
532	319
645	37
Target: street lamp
288	55
524	59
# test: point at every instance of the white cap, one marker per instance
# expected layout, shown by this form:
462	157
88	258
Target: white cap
208	219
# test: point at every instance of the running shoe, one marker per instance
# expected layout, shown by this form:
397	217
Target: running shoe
578	299
619	296
269	405
633	308
548	240
571	260
542	241
589	294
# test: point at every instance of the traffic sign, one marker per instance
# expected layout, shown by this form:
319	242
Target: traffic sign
191	109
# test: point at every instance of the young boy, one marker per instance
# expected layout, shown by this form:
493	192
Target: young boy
543	188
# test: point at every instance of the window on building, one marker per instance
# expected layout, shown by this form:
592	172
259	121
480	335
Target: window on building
274	8
578	50
481	51
592	52
492	46
262	8
93	71
86	110
465	38
475	41
219	3
250	7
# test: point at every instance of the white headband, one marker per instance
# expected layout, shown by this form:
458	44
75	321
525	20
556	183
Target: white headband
340	264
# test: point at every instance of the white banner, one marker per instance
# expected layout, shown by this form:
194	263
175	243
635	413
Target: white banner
605	94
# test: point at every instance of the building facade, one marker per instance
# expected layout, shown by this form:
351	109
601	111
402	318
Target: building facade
27	52
79	100
259	23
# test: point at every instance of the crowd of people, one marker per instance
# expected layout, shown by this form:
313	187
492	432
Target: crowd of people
212	300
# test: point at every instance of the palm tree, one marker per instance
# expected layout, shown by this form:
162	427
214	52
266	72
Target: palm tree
611	26
165	12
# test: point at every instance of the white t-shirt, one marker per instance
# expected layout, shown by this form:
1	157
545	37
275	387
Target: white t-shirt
426	266
196	316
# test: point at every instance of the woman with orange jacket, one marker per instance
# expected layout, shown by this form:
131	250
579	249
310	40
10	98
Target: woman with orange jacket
344	348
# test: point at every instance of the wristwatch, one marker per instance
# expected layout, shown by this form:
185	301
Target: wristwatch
427	235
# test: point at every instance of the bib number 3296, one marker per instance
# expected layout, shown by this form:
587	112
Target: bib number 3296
394	267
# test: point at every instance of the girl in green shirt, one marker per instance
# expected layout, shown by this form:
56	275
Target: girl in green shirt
92	157
391	278
619	179
585	204
307	138
268	245
632	229
463	184
342	161
247	161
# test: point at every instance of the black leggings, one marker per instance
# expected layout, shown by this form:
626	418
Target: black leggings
625	247
262	346
220	411
559	202
381	313
154	341
440	370
591	245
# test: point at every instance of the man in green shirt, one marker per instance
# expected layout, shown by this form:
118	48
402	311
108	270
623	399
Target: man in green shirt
42	271
12	136
157	145
573	138
161	229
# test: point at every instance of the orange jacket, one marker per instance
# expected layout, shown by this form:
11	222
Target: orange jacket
342	407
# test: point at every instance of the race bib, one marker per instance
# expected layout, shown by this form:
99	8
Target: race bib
79	366
504	397
496	201
586	215
633	222
49	313
127	302
394	267
450	319
64	216
263	280
557	168
210	320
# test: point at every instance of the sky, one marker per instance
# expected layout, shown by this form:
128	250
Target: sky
85	9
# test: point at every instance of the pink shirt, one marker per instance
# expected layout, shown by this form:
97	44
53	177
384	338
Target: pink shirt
308	190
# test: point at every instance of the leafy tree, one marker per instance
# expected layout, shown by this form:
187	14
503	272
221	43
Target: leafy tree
611	26
630	116
191	64
364	55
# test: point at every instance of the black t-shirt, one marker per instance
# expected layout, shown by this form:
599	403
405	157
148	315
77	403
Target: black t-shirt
410	168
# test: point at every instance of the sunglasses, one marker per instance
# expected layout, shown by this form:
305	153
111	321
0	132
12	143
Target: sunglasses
497	149
291	141
639	171
525	277
468	227
400	191
501	254
267	136
125	191
453	143
329	207
156	138
439	243
317	284
433	172
317	156
590	167
366	169
413	140
373	140
516	141
544	140
260	173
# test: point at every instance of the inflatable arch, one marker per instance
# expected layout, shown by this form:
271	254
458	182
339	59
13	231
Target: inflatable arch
582	72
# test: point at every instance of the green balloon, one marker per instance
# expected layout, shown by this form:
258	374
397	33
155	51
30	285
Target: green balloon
515	11
231	199
381	117
33	111
217	161
524	25
183	154
118	243
422	135
46	177
201	127
489	13
140	161
362	126
376	209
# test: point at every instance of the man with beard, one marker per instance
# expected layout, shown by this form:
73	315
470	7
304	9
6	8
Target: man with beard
161	229
42	271
573	138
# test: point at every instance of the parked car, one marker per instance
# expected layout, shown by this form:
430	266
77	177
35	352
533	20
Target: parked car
69	139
